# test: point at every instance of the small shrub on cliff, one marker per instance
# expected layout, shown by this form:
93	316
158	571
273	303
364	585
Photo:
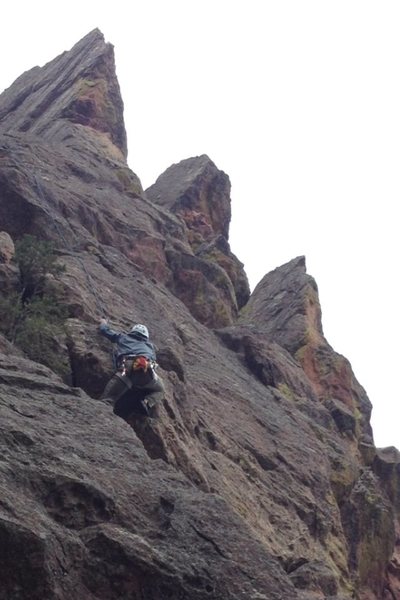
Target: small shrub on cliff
33	317
35	258
10	310
40	332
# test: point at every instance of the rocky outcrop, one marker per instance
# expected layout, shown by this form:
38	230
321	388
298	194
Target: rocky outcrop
7	248
86	513
259	477
73	105
79	88
8	271
285	307
199	193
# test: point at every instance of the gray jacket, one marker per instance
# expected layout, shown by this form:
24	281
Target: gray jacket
128	344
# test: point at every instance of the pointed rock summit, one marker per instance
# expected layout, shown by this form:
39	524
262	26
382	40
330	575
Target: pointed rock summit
197	192
200	193
285	306
78	88
258	477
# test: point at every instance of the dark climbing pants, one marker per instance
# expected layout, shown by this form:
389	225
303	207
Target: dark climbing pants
119	384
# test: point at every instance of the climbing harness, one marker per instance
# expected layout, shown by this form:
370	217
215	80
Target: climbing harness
139	368
130	363
141	363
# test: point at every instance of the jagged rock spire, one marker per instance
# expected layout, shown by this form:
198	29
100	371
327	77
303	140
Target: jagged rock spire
79	86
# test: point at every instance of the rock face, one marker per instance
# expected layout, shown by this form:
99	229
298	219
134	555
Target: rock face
7	248
78	87
259	479
211	282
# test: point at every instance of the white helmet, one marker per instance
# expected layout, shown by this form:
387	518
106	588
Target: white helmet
142	329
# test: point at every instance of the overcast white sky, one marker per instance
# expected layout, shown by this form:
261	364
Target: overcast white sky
298	101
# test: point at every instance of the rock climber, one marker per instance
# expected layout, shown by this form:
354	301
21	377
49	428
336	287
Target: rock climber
135	359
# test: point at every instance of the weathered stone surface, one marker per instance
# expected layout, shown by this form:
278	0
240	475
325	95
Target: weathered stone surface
79	88
386	465
285	308
100	519
7	249
88	185
259	479
218	251
9	274
204	287
199	193
268	361
368	522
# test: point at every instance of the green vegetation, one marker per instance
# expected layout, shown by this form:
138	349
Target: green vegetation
128	180
35	259
32	316
286	391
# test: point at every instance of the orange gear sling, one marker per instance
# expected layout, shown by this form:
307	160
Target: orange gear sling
140	363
